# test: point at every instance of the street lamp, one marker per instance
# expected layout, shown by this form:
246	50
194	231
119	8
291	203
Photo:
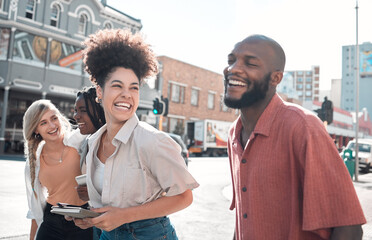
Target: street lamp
357	98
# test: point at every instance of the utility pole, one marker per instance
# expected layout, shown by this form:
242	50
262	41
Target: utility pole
356	99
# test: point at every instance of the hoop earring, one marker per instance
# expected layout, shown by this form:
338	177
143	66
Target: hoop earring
98	100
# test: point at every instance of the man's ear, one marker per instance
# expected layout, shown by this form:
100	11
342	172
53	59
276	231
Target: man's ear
276	78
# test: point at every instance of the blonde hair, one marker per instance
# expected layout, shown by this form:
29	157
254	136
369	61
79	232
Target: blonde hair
31	119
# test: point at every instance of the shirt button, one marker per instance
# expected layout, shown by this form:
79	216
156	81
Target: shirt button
245	215
244	161
244	189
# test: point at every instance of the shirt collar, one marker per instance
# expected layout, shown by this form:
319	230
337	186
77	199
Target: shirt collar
126	130
123	134
264	123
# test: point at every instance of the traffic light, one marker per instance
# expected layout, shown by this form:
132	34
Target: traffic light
166	102
160	106
326	112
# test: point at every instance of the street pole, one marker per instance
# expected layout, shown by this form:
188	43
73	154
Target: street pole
357	99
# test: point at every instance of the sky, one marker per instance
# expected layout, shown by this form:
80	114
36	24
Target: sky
203	32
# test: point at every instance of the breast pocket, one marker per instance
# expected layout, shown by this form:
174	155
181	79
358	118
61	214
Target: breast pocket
135	185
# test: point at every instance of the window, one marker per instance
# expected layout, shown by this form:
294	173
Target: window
308	79
30	9
54	15
108	25
178	93
83	24
223	107
308	93
211	100
308	86
299	79
299	86
194	96
4	42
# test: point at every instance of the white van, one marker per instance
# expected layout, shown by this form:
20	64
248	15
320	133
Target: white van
364	154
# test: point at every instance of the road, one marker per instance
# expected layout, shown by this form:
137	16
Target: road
207	218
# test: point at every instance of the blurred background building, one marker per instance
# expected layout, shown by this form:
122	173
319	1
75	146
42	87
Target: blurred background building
40	55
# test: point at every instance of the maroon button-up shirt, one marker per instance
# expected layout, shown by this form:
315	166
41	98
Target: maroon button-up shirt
289	181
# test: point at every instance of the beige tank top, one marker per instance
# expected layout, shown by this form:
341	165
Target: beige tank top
59	178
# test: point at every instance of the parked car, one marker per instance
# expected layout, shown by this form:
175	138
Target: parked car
184	151
364	153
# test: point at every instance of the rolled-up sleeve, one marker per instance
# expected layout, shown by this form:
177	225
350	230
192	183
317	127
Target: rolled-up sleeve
168	166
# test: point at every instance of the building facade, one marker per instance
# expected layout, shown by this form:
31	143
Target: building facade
335	96
194	93
306	83
348	86
40	55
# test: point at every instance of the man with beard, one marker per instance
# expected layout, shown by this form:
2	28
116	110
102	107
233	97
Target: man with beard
289	182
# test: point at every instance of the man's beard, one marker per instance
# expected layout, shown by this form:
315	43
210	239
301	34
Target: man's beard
249	97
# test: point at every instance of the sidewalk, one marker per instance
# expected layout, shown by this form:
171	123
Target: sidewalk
364	190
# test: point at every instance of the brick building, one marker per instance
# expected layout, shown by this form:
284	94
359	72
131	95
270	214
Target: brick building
194	93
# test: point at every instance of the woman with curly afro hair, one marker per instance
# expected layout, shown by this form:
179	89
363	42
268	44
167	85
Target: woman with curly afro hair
136	175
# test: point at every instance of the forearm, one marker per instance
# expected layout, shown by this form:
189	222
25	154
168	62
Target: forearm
354	232
33	229
160	207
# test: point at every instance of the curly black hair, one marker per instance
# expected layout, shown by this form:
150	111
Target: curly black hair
94	109
111	48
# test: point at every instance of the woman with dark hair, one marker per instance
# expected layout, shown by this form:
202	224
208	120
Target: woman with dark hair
88	113
136	175
89	117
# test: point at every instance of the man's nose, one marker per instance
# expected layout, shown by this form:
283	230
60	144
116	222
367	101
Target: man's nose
234	68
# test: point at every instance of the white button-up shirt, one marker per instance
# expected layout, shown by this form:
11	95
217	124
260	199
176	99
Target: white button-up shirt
146	165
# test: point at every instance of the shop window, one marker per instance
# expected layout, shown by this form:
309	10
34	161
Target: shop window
30	9
4	42
55	15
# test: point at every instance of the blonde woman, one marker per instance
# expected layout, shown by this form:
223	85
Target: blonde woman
51	166
136	175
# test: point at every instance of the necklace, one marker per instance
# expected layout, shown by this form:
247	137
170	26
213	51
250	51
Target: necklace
60	159
64	147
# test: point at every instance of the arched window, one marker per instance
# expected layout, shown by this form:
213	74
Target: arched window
55	15
83	19
30	9
108	25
